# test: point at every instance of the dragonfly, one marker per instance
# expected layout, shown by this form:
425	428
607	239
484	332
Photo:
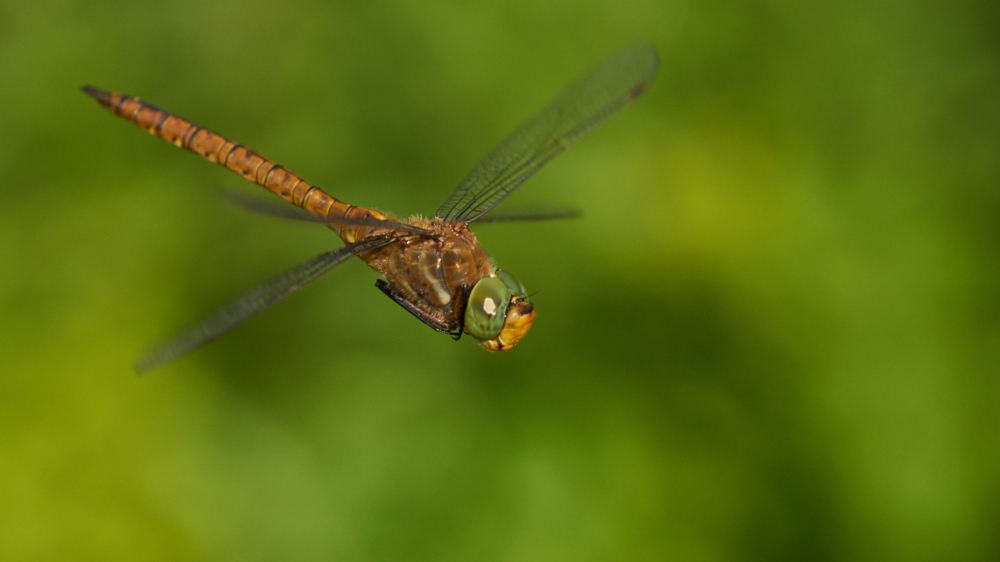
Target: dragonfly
433	267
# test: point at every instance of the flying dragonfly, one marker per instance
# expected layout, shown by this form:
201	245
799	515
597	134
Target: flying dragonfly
434	268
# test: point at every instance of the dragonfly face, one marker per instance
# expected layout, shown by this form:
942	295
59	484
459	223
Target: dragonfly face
433	268
498	312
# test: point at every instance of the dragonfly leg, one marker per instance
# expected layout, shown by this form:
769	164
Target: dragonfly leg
424	316
460	304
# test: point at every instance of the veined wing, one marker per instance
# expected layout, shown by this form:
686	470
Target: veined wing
252	303
529	215
606	89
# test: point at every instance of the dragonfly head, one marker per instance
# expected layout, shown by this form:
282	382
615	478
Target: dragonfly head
499	312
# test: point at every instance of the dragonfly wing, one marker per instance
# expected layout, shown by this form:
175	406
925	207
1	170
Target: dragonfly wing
529	215
253	302
606	89
285	211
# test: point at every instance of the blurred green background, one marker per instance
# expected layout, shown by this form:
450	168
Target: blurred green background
774	334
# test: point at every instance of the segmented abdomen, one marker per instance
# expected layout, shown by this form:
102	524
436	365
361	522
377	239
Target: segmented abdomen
238	158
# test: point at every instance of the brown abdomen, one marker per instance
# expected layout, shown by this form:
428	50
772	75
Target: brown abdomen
238	158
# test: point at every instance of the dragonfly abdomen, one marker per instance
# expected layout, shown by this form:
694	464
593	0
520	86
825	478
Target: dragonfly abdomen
236	157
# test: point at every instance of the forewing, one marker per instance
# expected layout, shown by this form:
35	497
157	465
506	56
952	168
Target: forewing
606	89
253	302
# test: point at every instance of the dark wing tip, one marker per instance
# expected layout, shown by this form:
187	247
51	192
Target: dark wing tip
143	365
103	97
651	61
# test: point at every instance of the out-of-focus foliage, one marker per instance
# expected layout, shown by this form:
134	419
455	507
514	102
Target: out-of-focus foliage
774	333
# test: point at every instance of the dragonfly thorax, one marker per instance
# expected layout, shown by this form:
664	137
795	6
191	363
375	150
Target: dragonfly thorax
447	280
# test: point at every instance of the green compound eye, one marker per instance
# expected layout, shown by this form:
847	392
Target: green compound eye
487	307
512	283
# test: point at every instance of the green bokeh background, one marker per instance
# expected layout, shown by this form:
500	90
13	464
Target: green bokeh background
774	334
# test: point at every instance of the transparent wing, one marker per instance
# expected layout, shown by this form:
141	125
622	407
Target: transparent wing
274	208
529	215
606	89
252	303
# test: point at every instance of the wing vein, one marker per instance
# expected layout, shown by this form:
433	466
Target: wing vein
253	302
606	89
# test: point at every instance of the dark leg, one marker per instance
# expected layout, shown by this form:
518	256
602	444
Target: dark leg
423	315
460	304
